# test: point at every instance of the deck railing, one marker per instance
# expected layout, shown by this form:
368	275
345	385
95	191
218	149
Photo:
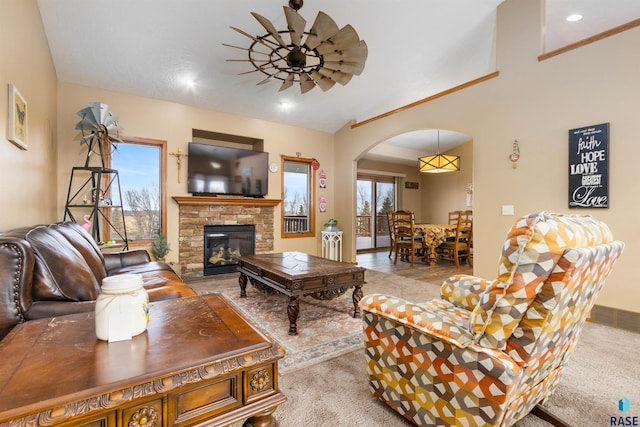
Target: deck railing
295	224
363	225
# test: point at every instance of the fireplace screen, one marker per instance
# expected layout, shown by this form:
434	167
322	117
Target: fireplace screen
223	244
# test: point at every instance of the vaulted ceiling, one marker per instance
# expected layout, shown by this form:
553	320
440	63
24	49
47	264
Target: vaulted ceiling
173	50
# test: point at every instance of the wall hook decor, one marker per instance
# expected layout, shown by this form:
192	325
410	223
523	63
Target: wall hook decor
515	154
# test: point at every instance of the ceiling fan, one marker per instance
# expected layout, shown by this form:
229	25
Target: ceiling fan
323	56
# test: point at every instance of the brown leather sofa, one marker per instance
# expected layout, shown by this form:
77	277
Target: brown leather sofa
56	269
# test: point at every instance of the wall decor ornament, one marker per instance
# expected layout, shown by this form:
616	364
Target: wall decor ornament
469	190
179	155
322	179
99	126
515	153
323	204
589	167
17	129
412	185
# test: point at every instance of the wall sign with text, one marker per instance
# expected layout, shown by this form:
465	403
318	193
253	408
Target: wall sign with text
589	167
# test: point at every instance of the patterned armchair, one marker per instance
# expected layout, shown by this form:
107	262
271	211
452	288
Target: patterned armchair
487	352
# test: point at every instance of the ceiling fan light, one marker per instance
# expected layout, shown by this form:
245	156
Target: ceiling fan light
296	59
439	163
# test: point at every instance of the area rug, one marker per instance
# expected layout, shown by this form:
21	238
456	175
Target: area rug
326	328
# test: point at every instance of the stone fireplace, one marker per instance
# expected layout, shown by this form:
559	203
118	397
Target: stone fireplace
196	212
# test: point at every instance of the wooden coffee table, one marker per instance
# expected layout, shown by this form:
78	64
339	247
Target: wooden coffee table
198	363
297	274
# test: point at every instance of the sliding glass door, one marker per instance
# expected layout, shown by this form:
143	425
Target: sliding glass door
376	195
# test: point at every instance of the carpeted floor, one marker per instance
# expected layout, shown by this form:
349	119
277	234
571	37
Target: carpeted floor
325	379
326	328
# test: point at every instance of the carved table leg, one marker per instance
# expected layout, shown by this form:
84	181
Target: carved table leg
293	309
433	256
243	285
357	296
262	419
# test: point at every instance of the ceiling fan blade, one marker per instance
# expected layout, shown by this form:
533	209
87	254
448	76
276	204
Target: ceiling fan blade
263	81
346	67
323	28
306	83
324	82
346	38
244	48
269	27
296	24
287	83
338	76
261	68
356	54
257	40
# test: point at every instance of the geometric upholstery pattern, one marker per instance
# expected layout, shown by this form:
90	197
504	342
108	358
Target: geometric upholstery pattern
487	352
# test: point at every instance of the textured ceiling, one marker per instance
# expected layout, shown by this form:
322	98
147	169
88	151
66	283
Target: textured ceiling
416	48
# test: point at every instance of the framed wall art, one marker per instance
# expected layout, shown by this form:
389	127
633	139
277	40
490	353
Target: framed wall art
17	129
589	167
411	185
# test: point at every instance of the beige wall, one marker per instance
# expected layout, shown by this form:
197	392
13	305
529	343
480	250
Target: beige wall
28	190
148	118
535	103
445	192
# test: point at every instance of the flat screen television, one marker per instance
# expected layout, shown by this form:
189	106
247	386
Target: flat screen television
217	170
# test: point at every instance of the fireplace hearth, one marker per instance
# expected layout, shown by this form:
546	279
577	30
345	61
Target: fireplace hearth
224	244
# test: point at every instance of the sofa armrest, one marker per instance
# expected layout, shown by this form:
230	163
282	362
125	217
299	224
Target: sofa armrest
118	260
16	264
464	291
434	318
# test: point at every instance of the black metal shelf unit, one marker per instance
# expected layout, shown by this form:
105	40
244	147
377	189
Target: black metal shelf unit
94	193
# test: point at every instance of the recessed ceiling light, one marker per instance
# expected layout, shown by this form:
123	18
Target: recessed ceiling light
575	17
285	105
188	82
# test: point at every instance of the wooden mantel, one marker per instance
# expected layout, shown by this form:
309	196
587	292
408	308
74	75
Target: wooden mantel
225	200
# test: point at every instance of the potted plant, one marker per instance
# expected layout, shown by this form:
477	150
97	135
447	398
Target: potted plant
332	225
160	247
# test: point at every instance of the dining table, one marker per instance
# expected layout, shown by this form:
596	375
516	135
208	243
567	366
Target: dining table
434	235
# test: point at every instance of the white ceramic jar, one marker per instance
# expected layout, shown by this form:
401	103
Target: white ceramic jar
122	308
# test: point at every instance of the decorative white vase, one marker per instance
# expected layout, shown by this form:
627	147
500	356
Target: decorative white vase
122	308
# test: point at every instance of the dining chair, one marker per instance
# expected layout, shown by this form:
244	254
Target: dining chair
454	219
391	233
407	244
461	244
468	214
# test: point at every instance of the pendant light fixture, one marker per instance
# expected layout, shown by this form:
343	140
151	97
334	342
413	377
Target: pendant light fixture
440	162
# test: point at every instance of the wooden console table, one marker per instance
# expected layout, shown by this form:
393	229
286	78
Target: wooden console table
199	363
297	274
